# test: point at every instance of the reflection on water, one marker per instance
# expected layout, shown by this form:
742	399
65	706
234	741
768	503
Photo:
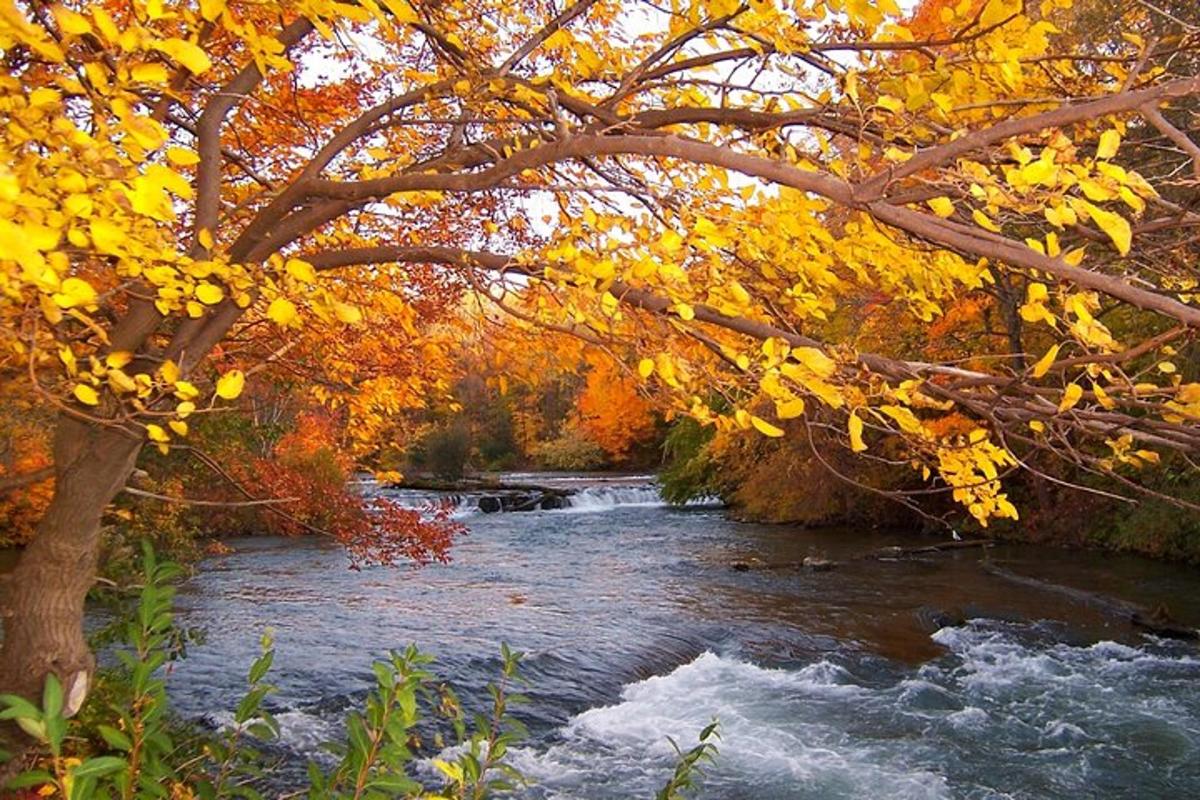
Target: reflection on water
827	684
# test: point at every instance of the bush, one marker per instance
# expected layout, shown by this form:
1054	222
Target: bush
444	451
690	472
569	452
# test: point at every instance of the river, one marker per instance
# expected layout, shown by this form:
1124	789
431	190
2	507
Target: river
834	684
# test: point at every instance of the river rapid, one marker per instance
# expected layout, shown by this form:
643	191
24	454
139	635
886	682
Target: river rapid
636	626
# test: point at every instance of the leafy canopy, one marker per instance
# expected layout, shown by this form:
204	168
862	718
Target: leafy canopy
711	191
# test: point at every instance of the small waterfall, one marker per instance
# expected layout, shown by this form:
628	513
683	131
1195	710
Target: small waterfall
578	497
599	498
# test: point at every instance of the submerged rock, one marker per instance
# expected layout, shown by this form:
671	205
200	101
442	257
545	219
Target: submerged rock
934	619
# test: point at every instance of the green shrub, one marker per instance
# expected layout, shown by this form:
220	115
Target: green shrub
569	452
444	451
689	471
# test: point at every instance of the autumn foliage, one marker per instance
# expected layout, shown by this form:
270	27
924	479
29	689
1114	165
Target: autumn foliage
611	411
307	472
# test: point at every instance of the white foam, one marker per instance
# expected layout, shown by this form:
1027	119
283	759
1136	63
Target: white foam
300	730
761	736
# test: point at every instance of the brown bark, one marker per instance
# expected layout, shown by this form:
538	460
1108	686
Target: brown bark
43	598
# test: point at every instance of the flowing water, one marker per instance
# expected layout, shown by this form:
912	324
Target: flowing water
835	684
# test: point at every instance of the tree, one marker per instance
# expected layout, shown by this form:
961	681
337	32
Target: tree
699	187
611	412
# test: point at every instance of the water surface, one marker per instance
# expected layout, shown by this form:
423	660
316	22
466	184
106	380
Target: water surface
833	684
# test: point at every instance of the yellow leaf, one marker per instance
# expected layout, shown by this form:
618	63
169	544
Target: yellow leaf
1043	364
180	427
71	23
984	221
105	24
185	408
646	368
402	10
209	293
106	237
282	311
205	238
301	270
893	104
75	292
1147	455
997	11
120	382
211	9
856	433
1110	140
347	313
186	53
942	206
86	395
685	312
738	292
815	360
151	199
1070	397
229	386
186	391
150	73
1116	226
1074	257
157	433
182	157
790	409
118	359
765	428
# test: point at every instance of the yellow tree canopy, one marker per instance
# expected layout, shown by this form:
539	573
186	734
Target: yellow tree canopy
708	189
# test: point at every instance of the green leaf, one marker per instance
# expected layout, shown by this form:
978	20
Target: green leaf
115	738
18	707
261	666
29	779
101	765
52	696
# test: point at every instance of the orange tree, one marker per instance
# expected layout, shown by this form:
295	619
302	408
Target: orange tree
697	185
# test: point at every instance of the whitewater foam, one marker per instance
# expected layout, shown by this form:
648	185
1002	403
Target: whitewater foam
762	735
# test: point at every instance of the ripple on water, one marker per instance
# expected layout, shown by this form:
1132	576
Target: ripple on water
638	630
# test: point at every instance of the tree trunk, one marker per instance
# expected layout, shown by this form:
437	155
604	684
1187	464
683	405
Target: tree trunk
43	597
